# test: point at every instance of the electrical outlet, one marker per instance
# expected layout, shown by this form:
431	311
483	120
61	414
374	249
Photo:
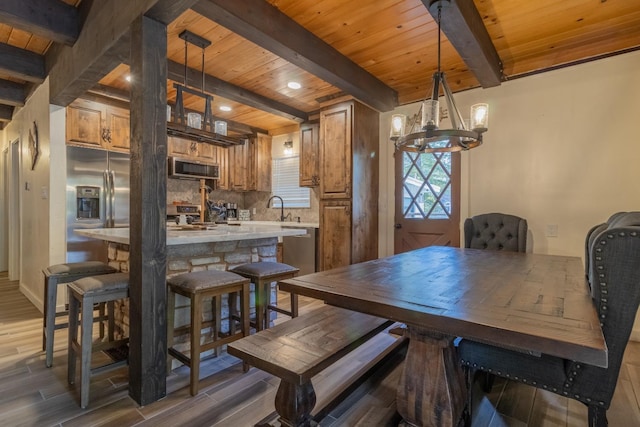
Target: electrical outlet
44	192
254	211
552	230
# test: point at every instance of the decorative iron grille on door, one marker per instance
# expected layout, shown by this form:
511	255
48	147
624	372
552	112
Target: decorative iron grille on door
426	185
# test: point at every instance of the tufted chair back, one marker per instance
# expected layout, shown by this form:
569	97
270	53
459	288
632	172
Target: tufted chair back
496	231
613	252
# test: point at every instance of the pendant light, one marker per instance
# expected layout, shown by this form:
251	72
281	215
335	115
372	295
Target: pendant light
424	134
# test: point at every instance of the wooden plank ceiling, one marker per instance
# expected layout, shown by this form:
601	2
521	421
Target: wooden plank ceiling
382	52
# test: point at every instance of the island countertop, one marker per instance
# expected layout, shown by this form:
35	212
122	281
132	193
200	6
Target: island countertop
221	233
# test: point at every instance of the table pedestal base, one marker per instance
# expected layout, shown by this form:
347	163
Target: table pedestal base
432	389
298	414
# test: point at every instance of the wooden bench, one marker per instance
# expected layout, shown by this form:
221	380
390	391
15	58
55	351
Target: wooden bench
300	348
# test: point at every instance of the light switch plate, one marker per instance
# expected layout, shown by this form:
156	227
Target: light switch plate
552	230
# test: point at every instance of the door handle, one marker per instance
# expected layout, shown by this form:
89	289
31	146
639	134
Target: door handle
107	199
112	198
397	225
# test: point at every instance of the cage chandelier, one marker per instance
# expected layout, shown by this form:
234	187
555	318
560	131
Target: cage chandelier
422	133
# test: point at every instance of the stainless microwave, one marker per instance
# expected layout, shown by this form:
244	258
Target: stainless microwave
192	169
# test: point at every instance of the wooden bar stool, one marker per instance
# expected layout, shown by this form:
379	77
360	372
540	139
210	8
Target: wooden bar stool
83	294
197	286
54	276
262	274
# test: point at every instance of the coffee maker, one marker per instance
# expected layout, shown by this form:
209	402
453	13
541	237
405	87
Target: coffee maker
232	211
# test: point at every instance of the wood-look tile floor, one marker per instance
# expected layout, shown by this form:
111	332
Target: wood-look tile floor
32	395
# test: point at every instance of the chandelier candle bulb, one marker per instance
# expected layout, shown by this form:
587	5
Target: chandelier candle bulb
430	114
480	117
398	123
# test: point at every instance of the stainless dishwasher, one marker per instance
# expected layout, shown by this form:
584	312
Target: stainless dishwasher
300	251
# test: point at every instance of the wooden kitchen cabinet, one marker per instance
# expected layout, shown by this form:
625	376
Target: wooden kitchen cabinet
97	125
180	147
349	180
335	232
238	167
84	123
222	159
309	155
118	133
250	165
261	163
207	152
336	131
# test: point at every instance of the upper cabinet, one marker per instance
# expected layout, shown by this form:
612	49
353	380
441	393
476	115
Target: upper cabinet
222	159
250	165
180	147
335	151
309	145
261	168
118	134
97	125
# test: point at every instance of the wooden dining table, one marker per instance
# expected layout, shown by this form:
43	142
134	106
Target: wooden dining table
526	302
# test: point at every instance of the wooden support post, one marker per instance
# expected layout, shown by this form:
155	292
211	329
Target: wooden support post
148	204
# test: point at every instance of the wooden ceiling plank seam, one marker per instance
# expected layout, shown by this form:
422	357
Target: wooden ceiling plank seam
50	19
22	64
266	26
217	86
12	93
463	26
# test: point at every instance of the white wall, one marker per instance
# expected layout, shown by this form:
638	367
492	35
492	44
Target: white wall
41	222
562	149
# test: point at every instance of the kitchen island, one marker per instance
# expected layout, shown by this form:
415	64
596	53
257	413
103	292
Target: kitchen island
192	249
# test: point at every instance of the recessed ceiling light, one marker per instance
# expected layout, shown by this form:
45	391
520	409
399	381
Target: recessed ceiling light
128	77
225	108
294	85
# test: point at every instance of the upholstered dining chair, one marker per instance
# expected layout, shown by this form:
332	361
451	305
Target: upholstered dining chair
496	231
613	250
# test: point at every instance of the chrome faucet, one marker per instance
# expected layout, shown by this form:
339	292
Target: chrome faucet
281	206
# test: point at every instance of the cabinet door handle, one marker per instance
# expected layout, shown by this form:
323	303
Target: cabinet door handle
106	135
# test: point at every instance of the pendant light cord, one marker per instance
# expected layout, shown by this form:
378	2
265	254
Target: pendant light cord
439	17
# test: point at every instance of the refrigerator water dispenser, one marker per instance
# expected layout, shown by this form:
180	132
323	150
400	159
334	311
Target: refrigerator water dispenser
87	202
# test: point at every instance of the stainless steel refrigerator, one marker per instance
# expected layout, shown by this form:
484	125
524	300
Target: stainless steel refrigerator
97	197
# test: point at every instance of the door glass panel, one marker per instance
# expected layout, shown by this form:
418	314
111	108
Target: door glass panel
426	185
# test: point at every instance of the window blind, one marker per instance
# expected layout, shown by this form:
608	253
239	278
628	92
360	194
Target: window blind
286	183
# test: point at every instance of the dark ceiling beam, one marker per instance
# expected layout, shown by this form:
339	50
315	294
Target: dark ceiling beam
110	92
51	19
103	44
264	25
462	24
21	64
6	113
232	92
12	93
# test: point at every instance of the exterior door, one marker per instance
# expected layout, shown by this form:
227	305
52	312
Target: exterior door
427	201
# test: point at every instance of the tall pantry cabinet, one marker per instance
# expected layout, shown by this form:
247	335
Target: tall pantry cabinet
349	168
